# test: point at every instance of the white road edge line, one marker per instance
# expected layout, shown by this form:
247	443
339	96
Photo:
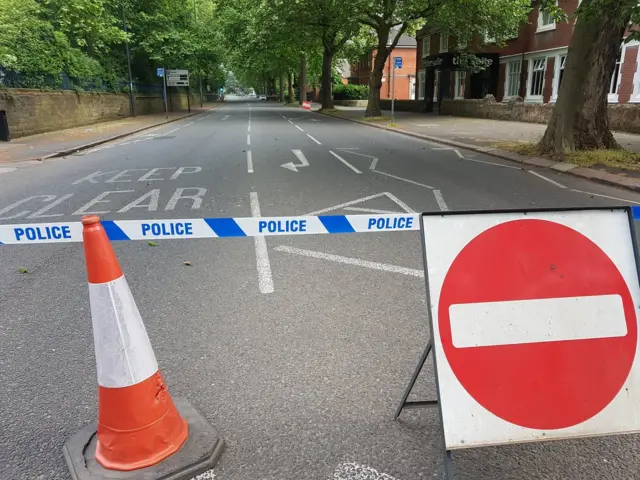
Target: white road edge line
313	139
265	280
345	162
605	196
553	182
299	128
440	199
491	163
351	261
402	179
249	162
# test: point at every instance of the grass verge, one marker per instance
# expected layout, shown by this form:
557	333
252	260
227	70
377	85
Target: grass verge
623	159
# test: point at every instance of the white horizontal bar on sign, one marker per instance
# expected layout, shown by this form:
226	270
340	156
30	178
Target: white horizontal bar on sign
63	232
536	321
264	226
385	222
154	229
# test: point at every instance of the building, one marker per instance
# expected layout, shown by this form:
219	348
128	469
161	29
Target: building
405	77
529	66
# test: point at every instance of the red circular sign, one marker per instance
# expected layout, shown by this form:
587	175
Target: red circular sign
545	385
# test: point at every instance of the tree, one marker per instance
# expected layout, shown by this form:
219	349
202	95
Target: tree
390	19
580	118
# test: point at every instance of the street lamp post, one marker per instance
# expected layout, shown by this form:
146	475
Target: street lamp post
132	100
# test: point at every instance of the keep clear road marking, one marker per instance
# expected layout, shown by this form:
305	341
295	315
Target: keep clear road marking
249	162
313	139
351	261
345	162
355	471
265	279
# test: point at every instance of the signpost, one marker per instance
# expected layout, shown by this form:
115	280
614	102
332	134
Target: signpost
397	64
179	78
534	325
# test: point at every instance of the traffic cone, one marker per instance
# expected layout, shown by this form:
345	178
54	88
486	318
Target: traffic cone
139	425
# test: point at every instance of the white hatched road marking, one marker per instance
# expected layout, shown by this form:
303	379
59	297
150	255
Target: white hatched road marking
403	179
553	182
345	162
313	139
440	199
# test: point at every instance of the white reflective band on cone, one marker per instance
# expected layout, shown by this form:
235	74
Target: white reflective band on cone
123	352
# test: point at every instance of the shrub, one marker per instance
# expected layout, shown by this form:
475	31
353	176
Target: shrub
350	92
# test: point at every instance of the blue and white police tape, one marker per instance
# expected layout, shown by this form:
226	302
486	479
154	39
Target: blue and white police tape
69	232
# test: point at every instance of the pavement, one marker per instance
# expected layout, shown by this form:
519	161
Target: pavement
45	145
296	348
482	135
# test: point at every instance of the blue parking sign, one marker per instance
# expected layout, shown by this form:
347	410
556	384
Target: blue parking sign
160	72
398	62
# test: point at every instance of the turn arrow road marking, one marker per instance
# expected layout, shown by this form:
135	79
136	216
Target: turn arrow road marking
294	167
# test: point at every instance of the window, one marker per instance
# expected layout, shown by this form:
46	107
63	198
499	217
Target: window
545	21
513	78
444	43
615	78
536	77
559	74
421	85
436	85
563	58
461	79
426	46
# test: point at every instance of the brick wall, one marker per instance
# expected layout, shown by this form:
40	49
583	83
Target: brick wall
629	68
623	118
33	111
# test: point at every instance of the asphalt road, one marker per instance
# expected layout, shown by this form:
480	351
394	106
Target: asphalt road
297	349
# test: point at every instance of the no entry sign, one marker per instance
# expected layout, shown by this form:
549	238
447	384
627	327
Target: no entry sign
535	324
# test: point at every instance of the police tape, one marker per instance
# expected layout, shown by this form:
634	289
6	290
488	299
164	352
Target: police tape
118	230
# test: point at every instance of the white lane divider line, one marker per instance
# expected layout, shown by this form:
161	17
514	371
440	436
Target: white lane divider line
249	162
355	471
605	196
249	128
459	154
369	210
553	182
299	128
248	139
374	164
190	123
265	279
290	122
170	131
440	199
401	179
124	143
345	162
313	139
351	261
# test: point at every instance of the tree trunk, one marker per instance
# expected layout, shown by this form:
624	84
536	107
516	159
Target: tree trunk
326	95
303	79
282	87
580	119
292	93
375	79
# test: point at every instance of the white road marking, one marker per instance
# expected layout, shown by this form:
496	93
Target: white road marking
190	123
293	167
537	320
467	159
183	171
124	143
425	124
170	131
248	139
178	195
347	148
355	471
209	475
7	170
391	197
374	164
299	128
249	162
99	199
442	148
553	182
351	261
104	147
265	280
249	128
39	213
403	179
345	162
440	199
368	210
152	205
290	122
313	139
227	116
459	154
605	196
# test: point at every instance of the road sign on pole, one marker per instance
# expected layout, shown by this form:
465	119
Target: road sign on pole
534	323
160	72
177	78
397	62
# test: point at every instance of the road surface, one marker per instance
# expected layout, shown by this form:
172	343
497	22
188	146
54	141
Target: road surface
296	348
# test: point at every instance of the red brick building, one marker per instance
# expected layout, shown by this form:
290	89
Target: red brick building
530	66
405	81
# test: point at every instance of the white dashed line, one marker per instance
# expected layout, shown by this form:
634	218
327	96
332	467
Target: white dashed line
171	131
313	139
402	179
265	280
459	154
345	162
249	162
440	199
299	128
190	123
553	182
248	139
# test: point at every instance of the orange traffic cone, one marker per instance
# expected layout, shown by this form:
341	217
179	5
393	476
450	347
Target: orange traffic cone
138	423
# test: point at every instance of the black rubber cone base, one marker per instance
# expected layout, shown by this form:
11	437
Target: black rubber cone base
200	453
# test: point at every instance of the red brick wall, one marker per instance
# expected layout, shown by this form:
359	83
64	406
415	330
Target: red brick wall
402	82
628	71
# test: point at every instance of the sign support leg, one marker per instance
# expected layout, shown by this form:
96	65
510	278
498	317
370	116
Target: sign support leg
414	377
